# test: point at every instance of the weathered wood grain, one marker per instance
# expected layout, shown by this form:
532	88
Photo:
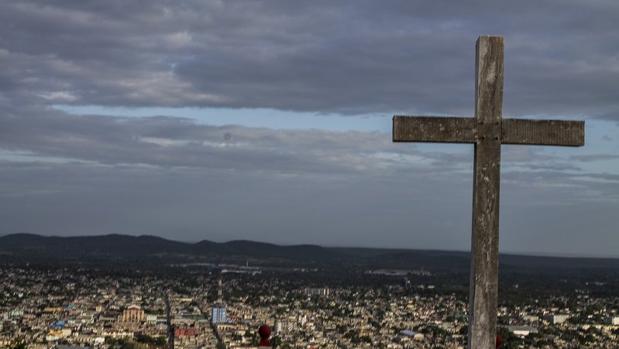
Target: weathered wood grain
483	282
434	129
543	132
487	130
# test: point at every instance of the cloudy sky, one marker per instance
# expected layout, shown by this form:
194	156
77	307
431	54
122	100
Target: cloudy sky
271	121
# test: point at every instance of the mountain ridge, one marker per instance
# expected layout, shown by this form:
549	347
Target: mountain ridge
115	247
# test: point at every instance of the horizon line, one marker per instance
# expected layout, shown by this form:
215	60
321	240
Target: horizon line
514	253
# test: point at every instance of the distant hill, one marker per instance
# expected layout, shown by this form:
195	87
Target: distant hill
146	248
121	247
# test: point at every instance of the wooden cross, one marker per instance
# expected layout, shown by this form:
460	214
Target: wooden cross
487	131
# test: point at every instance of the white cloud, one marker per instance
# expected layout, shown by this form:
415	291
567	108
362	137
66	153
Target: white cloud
59	96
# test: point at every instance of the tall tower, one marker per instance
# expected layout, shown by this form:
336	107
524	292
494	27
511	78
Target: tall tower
218	312
220	298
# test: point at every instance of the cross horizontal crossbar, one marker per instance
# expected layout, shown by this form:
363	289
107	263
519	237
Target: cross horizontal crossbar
464	130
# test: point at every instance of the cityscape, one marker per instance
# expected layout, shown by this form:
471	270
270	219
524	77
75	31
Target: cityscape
210	304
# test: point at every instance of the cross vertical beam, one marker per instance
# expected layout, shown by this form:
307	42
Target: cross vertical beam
487	131
483	282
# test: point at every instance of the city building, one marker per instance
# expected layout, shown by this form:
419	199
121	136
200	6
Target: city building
559	318
133	313
218	314
317	292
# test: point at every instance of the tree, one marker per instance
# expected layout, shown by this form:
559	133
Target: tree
276	342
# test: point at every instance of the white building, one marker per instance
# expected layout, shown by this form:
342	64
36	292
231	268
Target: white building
218	315
522	331
559	318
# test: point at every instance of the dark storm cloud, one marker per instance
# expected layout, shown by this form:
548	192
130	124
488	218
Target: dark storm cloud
348	57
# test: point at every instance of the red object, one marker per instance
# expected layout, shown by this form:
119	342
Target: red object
499	342
185	332
265	332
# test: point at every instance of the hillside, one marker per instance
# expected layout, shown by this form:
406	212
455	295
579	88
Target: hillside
110	248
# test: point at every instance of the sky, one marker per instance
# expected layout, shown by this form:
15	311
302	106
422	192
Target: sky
271	121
